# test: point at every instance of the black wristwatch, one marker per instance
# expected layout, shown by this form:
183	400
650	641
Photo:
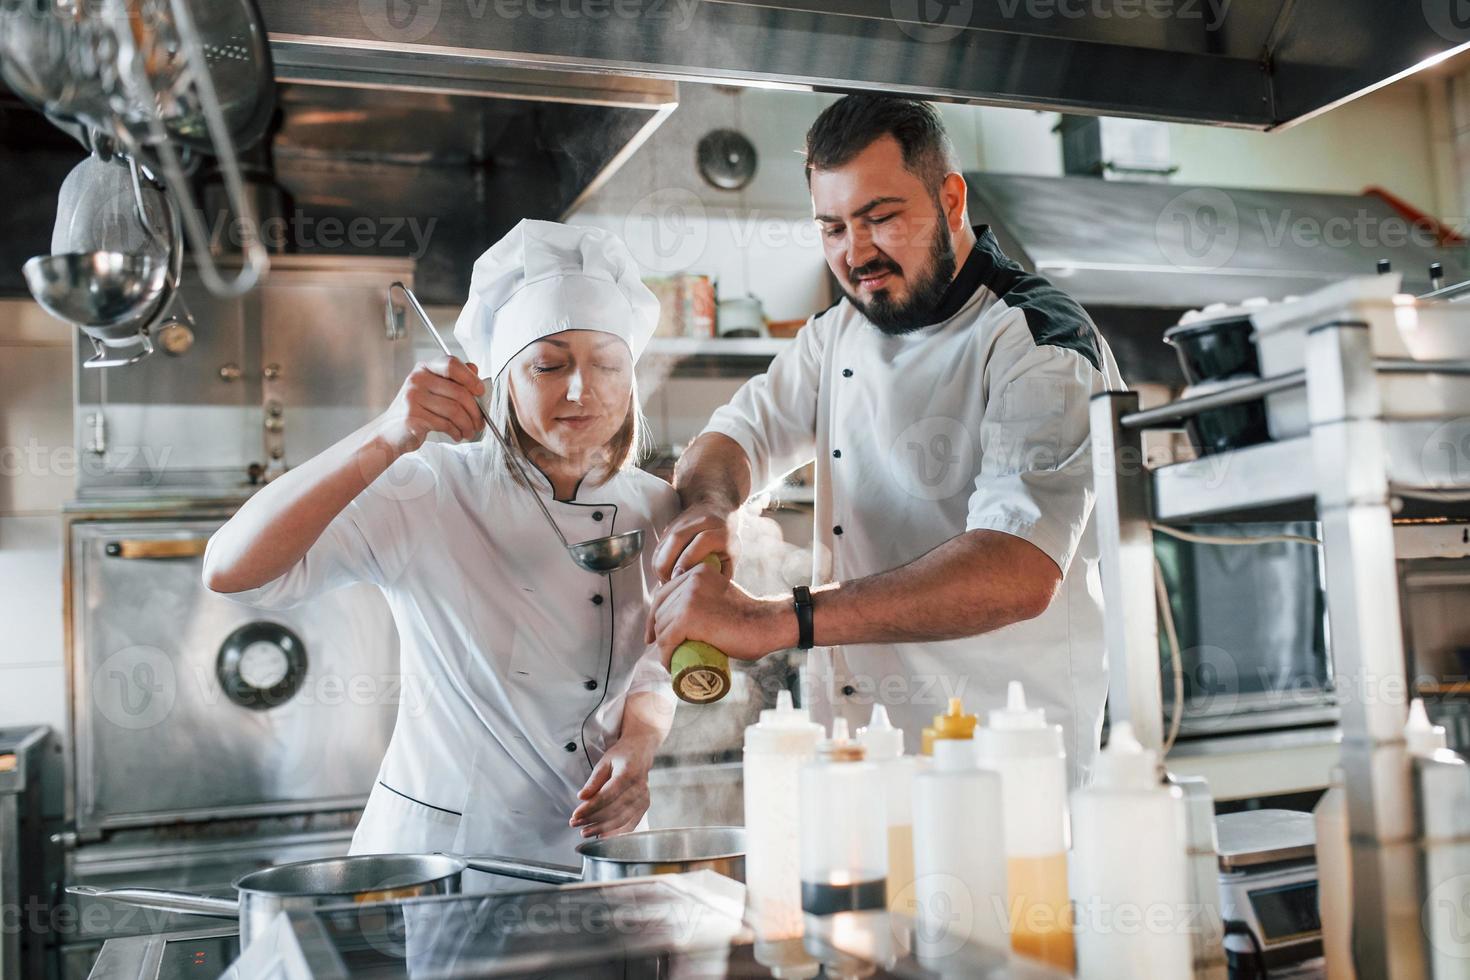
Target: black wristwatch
801	598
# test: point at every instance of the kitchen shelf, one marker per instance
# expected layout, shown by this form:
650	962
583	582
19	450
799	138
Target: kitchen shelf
1270	481
1365	461
1276	481
1456	687
712	355
766	347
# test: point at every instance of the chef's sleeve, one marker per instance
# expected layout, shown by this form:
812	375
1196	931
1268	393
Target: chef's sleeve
1035	477
370	540
774	415
650	674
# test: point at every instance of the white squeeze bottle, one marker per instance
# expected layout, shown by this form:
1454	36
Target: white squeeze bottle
959	842
844	831
884	745
1032	762
776	747
1129	870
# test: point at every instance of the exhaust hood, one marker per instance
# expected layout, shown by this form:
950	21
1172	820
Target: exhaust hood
1250	63
439	166
1137	254
1137	243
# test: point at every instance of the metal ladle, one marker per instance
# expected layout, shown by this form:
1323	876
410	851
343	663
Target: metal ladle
601	555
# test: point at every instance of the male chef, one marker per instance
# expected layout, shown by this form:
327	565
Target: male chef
944	400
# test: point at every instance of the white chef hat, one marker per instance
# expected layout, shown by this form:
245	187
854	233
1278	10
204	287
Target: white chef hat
544	277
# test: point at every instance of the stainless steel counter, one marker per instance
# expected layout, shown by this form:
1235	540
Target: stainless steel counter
651	927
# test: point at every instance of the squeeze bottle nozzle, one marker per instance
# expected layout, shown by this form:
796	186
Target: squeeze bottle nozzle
1015	714
1422	737
879	737
1124	763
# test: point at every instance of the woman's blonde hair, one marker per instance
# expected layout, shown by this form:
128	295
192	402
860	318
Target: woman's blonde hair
625	450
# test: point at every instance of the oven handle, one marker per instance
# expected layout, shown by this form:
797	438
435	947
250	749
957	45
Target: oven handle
157	547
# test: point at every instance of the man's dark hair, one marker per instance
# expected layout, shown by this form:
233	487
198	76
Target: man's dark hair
851	124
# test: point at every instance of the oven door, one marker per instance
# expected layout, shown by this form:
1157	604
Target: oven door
190	706
1252	627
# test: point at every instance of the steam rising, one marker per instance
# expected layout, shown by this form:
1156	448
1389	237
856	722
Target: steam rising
766	564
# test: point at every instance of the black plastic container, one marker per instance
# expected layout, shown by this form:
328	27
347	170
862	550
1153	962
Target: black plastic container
1215	350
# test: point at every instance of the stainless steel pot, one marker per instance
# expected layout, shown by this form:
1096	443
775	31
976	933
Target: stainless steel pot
647	852
303	886
306	885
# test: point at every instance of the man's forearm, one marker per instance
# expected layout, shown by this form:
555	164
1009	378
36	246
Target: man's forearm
974	583
647	716
713	473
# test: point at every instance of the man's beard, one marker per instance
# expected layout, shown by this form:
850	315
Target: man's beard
917	312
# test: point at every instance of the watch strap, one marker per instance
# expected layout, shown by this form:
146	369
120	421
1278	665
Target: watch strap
801	598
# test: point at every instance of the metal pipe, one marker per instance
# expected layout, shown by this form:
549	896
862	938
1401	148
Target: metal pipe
1184	408
1452	293
1407	365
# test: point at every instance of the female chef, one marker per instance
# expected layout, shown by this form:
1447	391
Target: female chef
544	704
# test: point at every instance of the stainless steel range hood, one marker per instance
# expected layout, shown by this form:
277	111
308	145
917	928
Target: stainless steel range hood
435	160
1126	243
1137	254
1252	63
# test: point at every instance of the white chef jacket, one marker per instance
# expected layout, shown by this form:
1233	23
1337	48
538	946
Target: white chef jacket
515	662
979	420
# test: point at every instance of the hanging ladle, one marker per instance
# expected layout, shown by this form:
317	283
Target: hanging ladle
600	555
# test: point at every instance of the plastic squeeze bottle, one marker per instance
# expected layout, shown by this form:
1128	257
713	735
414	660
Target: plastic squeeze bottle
776	747
844	843
959	841
954	723
884	746
1129	868
1032	762
701	673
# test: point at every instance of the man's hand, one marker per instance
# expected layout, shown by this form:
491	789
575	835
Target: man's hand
698	531
615	796
702	604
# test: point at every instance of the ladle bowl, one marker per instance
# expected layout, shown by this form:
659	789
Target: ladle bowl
97	289
604	555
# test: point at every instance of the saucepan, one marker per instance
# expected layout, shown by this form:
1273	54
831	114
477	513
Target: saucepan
362	878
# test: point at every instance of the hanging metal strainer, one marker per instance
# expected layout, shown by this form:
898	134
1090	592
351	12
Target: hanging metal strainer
96	211
154	75
116	258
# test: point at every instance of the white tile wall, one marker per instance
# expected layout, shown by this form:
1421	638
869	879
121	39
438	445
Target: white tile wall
36	472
